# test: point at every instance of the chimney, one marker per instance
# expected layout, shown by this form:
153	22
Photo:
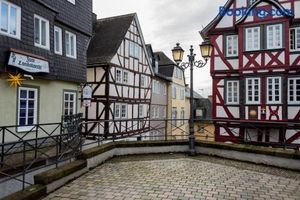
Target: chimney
94	18
210	97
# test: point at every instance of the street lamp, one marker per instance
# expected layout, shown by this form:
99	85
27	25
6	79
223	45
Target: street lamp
206	50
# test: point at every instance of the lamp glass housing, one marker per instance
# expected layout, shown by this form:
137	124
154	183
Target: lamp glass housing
206	49
177	53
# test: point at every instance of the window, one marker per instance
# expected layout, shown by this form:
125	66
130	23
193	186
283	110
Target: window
143	81
10	20
125	77
141	111
57	40
27	108
118	76
124	111
274	36
117	110
134	49
232	45
252	39
182	116
232	92
174	116
274	90
174	95
72	1
165	89
294	90
71	45
69	103
252	90
164	112
41	32
295	39
182	93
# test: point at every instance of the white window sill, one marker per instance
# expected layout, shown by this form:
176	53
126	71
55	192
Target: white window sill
21	129
41	46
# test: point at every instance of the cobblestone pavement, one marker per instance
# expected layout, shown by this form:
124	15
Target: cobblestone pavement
179	178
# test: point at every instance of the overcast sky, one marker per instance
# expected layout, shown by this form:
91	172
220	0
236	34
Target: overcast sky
166	22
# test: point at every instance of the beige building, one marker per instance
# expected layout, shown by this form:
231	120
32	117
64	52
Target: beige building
178	114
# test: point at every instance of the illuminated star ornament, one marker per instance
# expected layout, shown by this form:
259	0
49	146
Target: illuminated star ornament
15	80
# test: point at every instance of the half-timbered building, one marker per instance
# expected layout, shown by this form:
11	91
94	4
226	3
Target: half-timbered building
119	72
255	70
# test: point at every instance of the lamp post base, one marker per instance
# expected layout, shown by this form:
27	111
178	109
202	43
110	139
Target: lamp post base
192	150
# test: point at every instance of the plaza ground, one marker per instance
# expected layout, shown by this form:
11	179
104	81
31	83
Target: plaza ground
177	176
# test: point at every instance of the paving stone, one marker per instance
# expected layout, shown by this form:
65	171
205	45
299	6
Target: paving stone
179	178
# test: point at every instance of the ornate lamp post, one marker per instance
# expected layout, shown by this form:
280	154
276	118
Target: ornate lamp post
206	50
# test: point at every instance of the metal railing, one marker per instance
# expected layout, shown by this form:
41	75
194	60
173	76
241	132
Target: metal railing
42	145
49	145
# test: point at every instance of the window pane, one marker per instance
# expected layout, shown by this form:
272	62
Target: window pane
44	33
36	30
22	121
67	44
30	104
4	17
57	41
30	112
23	94
23	104
30	121
298	38
31	95
13	21
72	45
22	112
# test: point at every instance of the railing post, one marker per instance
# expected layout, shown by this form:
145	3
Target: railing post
36	141
60	132
166	130
2	147
24	165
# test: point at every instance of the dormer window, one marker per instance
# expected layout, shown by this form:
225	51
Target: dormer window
252	39
274	36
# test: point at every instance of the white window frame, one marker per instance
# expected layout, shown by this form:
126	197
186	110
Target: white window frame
275	40
295	39
68	101
39	44
117	115
72	1
35	99
174	92
143	81
294	91
119	79
126	111
232	40
182	94
234	91
134	49
174	116
247	48
182	115
69	35
253	91
59	30
273	91
125	77
141	111
18	20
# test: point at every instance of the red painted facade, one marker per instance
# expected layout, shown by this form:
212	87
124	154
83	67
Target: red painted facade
263	113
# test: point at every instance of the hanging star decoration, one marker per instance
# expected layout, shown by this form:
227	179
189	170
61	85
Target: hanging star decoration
15	80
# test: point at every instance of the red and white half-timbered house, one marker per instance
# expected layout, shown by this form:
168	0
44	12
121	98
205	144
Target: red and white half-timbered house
255	67
119	71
